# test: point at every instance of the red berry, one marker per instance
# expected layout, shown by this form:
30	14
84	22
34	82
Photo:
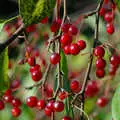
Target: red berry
48	91
35	68
73	30
81	44
67	49
115	60
65	27
102	101
66	39
50	105
99	51
110	28
62	95
31	61
16	112
36	76
54	27
74	49
102	11
112	70
91	88
108	17
58	106
106	1
7	98
31	28
66	118
74	85
48	111
54	58
100	63
31	101
16	102
15	84
2	105
100	73
8	92
41	104
44	20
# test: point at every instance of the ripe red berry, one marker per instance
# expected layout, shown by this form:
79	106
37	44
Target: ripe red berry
58	106
7	98
48	111
2	105
31	101
31	28
73	30
102	101
100	63
74	85
35	68
54	27
41	104
44	20
54	58
66	118
62	95
8	92
16	112
108	17
91	89
50	105
99	51
112	70
102	11
31	61
66	39
115	60
110	28
100	73
81	44
16	102
65	27
67	49
74	49
36	76
106	1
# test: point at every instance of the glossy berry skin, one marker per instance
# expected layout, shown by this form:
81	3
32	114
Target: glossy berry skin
50	105
35	68
81	44
48	111
110	28
41	104
115	60
54	58
74	49
108	17
62	95
74	85
31	61
73	30
7	98
2	105
65	27
100	63
36	76
100	73
99	51
102	11
31	101
67	49
66	118
91	89
58	106
15	111
8	92
66	39
102	101
112	70
16	102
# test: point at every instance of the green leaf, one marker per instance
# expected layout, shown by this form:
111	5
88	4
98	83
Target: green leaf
32	11
3	67
118	4
116	104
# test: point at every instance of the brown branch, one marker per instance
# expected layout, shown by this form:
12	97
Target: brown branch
12	38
